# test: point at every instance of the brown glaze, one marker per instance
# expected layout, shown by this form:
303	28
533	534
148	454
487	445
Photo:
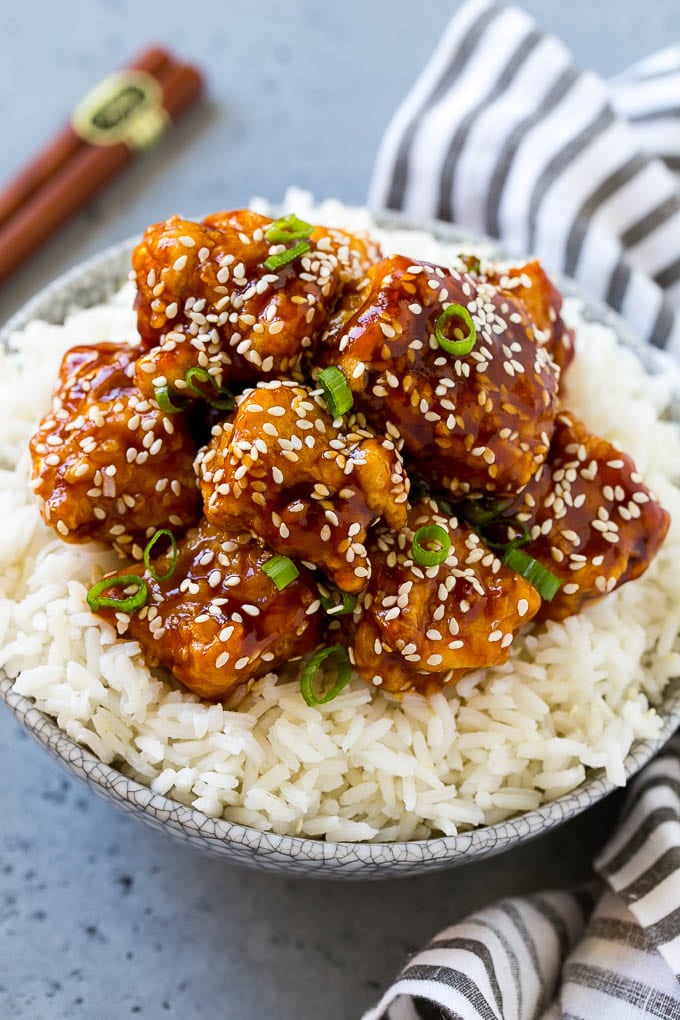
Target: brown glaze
530	285
219	621
593	521
306	486
482	421
205	297
107	463
422	627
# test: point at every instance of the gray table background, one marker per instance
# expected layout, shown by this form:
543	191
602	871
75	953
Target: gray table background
99	917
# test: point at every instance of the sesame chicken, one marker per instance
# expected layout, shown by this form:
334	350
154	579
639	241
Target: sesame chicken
477	422
419	627
219	620
530	285
107	463
444	377
206	299
593	522
307	485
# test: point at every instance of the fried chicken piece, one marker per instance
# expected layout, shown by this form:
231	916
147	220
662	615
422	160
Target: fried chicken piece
593	521
479	422
219	620
422	627
205	298
531	285
107	463
283	470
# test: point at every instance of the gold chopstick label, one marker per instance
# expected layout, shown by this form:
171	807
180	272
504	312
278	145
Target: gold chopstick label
126	107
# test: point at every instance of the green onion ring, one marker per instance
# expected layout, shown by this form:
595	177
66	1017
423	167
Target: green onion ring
463	345
481	512
281	571
96	601
203	375
543	580
275	262
336	391
514	543
335	608
430	557
339	654
147	554
288	228
164	396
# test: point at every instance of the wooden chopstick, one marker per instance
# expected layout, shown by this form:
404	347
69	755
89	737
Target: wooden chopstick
63	146
74	173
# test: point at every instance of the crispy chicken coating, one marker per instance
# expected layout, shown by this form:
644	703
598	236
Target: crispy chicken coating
219	620
107	463
593	521
422	627
205	298
284	470
479	422
531	285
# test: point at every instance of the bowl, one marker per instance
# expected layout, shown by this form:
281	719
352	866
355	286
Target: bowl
92	282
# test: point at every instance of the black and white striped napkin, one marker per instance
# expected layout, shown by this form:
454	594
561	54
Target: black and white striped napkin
608	952
504	135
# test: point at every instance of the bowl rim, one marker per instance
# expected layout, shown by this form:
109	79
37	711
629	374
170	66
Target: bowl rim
474	843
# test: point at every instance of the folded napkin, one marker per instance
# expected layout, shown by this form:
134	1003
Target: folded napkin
504	135
607	952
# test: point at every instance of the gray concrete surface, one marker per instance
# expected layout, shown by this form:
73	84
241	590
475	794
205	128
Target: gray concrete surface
100	918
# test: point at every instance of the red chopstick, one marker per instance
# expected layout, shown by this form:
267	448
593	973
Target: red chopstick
73	168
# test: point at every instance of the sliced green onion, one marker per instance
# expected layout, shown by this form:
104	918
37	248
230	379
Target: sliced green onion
341	659
163	533
97	601
275	262
164	396
461	344
336	391
335	608
288	228
514	543
482	512
281	571
224	399
544	581
472	263
430	557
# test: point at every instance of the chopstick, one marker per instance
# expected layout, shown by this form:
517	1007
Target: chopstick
154	61
81	159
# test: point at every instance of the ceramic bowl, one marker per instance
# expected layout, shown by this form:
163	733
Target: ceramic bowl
92	282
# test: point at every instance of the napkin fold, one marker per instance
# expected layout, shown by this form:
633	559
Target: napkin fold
609	951
502	133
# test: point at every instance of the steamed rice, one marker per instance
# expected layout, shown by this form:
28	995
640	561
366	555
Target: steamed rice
574	695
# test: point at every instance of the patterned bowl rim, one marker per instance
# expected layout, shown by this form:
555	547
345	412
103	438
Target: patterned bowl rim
108	269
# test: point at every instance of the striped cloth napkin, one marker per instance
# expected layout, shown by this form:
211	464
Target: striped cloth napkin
504	135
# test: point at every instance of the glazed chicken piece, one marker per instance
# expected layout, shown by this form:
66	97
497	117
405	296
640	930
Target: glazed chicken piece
219	620
205	298
593	521
422	627
307	487
107	463
530	285
477	422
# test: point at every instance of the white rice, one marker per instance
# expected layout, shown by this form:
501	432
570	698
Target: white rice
575	695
